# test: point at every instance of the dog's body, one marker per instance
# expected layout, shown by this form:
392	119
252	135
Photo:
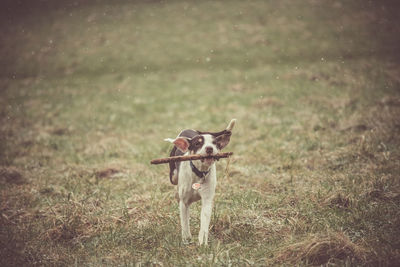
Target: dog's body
197	179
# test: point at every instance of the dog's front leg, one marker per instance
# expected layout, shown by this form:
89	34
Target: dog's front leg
184	214
206	209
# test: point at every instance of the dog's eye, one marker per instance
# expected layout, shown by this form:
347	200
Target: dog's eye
198	143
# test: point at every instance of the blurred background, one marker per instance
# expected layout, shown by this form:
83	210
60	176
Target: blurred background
89	89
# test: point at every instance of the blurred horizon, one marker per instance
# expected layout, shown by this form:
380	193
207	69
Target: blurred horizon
22	22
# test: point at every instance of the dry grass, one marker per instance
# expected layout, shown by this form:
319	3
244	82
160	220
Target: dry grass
323	249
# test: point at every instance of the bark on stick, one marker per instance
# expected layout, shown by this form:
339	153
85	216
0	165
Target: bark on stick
190	157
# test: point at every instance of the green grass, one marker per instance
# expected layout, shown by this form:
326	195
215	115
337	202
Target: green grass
88	92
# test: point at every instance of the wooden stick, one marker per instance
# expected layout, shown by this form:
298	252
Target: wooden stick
190	157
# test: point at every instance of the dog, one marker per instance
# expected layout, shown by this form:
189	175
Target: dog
197	179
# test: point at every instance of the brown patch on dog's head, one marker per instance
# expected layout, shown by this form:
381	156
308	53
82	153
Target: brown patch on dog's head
196	143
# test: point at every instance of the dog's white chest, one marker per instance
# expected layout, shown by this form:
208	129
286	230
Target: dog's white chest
192	188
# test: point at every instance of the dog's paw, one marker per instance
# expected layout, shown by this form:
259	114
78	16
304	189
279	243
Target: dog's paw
202	244
187	241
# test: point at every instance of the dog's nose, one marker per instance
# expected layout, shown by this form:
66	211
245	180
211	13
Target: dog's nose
209	150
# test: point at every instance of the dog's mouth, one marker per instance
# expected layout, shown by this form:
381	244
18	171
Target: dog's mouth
208	161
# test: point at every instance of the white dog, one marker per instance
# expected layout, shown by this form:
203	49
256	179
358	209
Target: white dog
197	179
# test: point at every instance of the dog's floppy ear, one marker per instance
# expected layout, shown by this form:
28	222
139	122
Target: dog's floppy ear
223	139
231	125
225	136
182	143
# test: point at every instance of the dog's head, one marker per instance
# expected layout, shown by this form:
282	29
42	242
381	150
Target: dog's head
205	143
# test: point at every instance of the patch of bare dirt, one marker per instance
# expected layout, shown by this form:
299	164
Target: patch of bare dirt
11	175
106	173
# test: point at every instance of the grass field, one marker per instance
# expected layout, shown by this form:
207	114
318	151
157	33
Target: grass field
89	90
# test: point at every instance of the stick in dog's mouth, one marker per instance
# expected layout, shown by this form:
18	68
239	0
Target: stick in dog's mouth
191	157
